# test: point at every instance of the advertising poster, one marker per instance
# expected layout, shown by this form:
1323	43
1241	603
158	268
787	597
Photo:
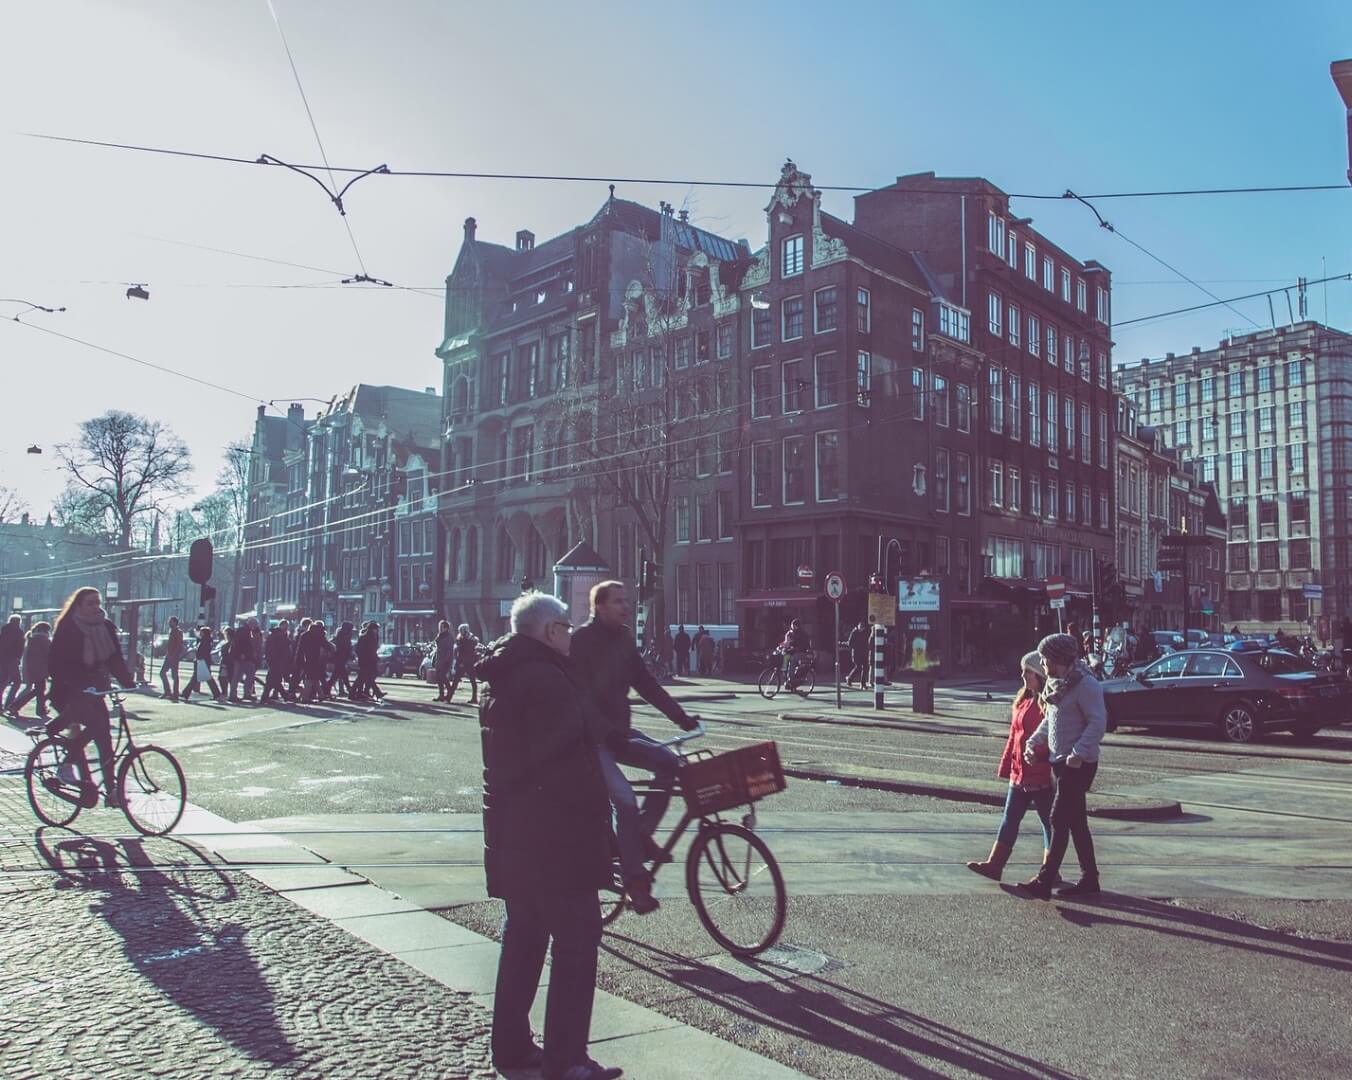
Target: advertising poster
918	626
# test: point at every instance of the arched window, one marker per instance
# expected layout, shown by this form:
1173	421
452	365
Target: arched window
471	572
460	396
453	556
506	555
535	557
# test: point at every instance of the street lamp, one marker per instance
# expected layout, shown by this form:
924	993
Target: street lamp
1341	70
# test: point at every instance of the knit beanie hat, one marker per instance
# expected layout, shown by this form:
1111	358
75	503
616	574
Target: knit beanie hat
1061	648
1033	662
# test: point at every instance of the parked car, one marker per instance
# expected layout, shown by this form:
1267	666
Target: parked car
398	660
1238	694
1168	640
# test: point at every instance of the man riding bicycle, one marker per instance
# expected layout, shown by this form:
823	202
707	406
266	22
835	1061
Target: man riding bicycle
796	646
608	664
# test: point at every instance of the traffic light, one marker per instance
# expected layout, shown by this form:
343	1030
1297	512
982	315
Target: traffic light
208	594
199	561
647	579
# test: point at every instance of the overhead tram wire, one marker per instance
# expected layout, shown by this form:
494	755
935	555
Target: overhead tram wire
1230	300
669	181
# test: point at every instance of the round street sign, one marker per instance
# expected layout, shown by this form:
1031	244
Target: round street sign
1056	588
805	576
835	585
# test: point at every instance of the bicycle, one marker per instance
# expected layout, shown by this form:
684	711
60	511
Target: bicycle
731	877
775	674
150	785
652	657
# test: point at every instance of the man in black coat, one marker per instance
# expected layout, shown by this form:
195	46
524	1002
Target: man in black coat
609	664
278	654
858	644
546	840
681	646
11	652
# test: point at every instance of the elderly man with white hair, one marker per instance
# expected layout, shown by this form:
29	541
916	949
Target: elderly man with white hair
546	840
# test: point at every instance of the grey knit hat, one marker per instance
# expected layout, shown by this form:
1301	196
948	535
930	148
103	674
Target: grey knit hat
1062	648
1033	662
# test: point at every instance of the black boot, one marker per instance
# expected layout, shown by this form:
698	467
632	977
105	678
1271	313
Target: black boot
1086	886
1039	888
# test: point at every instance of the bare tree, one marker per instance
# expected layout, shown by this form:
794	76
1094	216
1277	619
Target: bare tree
121	468
12	507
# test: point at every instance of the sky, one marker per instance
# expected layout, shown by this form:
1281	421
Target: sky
1049	96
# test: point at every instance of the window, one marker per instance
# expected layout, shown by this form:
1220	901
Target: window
1295	373
941	401
995	484
725	515
704	456
1006	553
791	324
1208	389
682	359
863	378
1267	420
1048	274
795	469
1265	379
558	362
942	556
1295	459
1235	425
1034	337
1180	434
762	467
702	347
941	491
792	260
1209	468
964	407
1101	304
1239	557
1180	395
826	380
825	310
1084	432
962	483
1012	250
1156	399
1068	357
1035	494
828	466
996	400
1103	438
760	392
502	367
917	330
1086	503
1052	440
863	319
1234	384
954	322
1065	285
1103	511
1051	342
1267	557
704	518
994	314
1103	370
1053	504
523	452
726	331
640	369
791	386
727	446
506	556
917	393
1298	554
1015	400
529	358
995	234
760	326
682	519
1208	429
1295	415
1069	505
1014	322
1030	262
1267	463
1034	414
1237	469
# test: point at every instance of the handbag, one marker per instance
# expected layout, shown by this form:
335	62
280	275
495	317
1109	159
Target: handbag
203	671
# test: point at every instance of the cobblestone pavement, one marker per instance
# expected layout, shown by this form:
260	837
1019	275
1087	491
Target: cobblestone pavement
132	957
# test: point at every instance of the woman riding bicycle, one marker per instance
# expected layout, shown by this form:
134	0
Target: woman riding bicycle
796	646
86	653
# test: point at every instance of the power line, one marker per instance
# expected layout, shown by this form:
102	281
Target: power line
669	181
1232	299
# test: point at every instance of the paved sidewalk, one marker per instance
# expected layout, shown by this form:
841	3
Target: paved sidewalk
226	951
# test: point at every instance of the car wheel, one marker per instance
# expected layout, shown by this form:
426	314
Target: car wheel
1239	723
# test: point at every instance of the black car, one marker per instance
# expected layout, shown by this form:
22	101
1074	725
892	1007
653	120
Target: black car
398	660
1239	695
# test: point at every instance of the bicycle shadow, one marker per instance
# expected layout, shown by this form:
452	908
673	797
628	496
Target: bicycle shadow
174	918
827	1013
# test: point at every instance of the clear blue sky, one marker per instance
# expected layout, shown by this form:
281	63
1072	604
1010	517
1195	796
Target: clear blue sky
1053	95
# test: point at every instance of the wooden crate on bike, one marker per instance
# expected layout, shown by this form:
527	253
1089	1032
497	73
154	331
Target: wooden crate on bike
735	778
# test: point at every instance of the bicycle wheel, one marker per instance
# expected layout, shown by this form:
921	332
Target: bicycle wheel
612	900
55	790
736	887
807	683
153	790
769	682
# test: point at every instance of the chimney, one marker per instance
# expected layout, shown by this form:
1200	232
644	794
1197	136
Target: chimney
295	412
24	519
685	216
470	226
1197	350
430	390
262	411
525	240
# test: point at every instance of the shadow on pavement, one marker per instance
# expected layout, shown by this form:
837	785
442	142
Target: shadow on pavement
827	1013
167	907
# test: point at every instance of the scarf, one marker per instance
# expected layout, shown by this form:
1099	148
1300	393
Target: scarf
99	643
1056	689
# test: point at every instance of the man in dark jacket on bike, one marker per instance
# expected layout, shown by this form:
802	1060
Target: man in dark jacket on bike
546	840
609	664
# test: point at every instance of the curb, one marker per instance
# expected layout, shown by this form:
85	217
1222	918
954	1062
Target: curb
1121	808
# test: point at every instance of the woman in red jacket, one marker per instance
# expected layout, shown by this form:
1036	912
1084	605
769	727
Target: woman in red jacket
1029	784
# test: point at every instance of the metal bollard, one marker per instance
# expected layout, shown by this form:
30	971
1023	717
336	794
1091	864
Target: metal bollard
879	664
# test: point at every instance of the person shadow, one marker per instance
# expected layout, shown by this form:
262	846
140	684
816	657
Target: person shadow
824	1012
172	909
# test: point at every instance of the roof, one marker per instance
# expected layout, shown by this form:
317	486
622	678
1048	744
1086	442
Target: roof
582	556
879	253
405	412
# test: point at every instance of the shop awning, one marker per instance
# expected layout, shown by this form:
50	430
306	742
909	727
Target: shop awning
420	614
786	598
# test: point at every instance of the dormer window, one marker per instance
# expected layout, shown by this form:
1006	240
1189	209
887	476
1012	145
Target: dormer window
792	262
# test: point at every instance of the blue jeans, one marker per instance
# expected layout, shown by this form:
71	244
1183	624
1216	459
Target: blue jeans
631	824
572	922
1017	803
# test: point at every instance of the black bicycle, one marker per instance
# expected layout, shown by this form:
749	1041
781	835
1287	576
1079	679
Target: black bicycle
148	781
731	877
775	675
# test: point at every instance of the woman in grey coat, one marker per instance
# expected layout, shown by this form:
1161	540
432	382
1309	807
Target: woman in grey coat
1072	727
34	666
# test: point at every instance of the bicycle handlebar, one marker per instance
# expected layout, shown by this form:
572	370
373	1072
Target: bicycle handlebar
112	692
686	736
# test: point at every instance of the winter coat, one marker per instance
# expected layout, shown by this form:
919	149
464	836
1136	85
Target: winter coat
1075	724
1027	715
858	644
310	649
36	653
173	647
278	651
466	653
705	649
682	643
11	643
545	806
342	645
204	648
445	652
608	663
367	647
70	674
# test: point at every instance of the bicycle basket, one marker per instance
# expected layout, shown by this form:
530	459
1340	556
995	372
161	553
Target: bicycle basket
736	778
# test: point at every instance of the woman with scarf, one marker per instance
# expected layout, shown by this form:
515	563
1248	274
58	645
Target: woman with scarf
1072	727
1030	783
201	667
85	654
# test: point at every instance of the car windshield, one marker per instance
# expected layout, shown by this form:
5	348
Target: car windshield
1169	667
1283	663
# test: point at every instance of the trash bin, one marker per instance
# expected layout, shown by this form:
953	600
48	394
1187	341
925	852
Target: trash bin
922	695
